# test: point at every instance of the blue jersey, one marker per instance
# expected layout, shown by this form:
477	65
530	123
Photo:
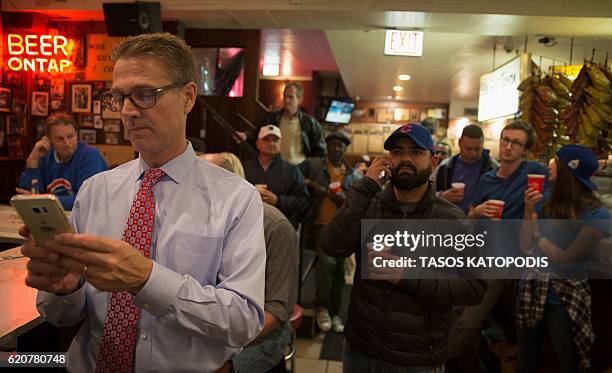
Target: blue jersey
64	179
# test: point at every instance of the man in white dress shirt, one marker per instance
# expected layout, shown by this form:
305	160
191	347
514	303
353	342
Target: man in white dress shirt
193	281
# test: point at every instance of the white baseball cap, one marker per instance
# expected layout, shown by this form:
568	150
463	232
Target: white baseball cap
269	130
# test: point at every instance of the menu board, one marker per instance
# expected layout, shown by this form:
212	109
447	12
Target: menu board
99	51
499	95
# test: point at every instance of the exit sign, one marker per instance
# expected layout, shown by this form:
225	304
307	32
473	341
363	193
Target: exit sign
404	43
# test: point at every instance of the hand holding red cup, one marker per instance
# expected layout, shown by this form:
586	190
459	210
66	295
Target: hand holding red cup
335	187
536	182
460	187
500	207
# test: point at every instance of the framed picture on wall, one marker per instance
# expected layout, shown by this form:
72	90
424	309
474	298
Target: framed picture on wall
97	106
87	135
81	98
384	115
99	88
57	87
41	82
112	126
111	138
86	121
401	115
19	106
15	124
40	127
5	99
40	104
13	78
57	104
2	138
98	122
16	146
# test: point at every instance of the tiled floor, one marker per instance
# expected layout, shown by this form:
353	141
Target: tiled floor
307	357
308	350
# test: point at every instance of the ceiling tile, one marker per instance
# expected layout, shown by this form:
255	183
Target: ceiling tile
328	20
291	19
254	19
219	19
604	29
590	5
545	6
367	20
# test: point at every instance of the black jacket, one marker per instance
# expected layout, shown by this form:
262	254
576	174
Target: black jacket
406	324
312	142
444	173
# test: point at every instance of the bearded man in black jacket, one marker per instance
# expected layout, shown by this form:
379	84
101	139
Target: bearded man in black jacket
397	324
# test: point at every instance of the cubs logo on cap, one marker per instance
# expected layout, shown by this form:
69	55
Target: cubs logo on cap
581	161
414	131
406	128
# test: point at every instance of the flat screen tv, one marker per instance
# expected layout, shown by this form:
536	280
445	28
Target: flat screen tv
339	112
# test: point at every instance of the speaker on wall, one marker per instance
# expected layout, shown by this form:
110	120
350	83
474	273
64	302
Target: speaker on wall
125	19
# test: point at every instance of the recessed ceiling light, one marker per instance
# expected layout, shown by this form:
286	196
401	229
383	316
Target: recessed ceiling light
398	88
404	77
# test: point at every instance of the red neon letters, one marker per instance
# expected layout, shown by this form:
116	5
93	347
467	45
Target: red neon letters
38	53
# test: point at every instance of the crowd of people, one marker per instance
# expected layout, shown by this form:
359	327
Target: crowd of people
188	262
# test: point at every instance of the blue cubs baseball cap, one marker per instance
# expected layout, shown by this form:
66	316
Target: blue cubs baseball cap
581	161
414	131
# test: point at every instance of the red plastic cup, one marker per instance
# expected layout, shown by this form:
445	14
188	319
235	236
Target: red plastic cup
500	207
458	186
536	181
335	187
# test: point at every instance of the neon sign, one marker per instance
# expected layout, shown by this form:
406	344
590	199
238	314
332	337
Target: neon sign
39	53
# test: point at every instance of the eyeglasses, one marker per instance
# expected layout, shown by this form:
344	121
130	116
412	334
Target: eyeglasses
142	98
515	144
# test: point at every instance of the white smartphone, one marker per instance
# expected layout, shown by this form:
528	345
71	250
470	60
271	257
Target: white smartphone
43	214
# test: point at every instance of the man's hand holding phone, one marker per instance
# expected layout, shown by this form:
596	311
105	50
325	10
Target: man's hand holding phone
380	169
23	191
44	269
58	264
41	148
107	264
59	258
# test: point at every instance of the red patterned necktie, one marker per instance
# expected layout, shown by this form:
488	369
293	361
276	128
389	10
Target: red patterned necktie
119	341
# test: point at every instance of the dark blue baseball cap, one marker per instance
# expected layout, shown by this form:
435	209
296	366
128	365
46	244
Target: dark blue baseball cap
414	131
581	161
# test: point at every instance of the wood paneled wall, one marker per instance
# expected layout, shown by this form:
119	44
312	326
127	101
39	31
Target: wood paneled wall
371	110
